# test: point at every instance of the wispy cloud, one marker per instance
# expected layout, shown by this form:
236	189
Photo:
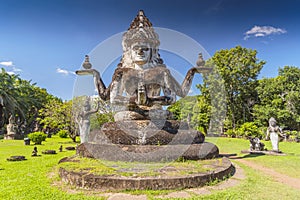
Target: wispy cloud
7	63
11	69
215	7
64	71
262	31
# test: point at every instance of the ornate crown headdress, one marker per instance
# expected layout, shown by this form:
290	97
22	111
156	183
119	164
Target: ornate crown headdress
140	30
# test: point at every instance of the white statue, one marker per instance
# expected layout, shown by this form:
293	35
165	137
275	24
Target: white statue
83	120
274	132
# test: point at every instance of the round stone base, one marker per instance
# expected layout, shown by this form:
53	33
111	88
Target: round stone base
86	179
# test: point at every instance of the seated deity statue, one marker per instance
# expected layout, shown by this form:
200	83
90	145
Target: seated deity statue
141	83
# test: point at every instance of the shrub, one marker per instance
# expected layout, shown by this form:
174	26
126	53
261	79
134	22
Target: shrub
63	133
249	129
37	137
231	133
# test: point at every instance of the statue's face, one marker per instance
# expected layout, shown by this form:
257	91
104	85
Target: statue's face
273	123
86	107
140	53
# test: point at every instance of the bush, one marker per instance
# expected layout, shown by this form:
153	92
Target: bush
37	137
231	133
63	133
249	129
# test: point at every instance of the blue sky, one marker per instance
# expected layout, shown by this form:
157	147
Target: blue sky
45	40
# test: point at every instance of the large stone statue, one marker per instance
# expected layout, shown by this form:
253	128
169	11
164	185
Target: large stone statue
141	76
141	85
143	131
83	120
273	132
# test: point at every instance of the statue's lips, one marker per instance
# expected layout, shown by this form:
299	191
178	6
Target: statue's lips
140	57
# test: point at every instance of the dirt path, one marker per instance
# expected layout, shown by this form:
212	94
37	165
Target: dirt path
287	180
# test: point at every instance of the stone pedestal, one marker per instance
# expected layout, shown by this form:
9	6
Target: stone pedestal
147	141
146	132
10	136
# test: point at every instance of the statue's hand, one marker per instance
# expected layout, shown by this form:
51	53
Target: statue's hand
201	69
88	72
160	100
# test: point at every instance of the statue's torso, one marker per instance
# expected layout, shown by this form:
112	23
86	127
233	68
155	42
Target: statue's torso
153	79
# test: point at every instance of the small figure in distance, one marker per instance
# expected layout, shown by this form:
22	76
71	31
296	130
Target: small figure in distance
34	152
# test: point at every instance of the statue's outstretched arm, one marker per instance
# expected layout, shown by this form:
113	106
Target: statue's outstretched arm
99	84
187	82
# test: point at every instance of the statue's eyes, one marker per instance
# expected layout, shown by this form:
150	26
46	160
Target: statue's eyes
140	48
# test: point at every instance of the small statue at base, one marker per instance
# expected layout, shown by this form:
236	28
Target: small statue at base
34	152
273	132
256	145
83	120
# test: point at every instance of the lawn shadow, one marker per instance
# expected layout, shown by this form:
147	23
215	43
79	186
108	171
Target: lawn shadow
248	155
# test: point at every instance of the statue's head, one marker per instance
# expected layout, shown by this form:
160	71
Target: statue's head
140	43
272	121
87	105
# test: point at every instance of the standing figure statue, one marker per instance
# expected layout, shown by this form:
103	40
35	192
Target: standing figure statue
83	120
10	129
274	132
141	83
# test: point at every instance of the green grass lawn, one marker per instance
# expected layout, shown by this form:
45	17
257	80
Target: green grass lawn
288	165
34	177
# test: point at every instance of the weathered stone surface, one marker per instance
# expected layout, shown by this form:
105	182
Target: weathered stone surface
49	152
70	148
146	132
16	158
91	181
148	153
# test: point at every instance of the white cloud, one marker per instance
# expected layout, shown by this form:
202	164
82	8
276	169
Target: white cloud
262	31
11	73
16	69
7	63
63	71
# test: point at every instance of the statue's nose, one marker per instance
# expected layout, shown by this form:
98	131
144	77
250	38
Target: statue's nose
140	51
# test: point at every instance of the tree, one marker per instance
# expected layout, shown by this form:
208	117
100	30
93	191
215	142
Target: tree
239	69
279	98
8	96
22	100
57	115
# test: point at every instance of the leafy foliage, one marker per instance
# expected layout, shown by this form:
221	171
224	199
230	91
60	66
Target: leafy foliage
249	129
279	98
239	69
63	133
37	137
22	100
57	115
